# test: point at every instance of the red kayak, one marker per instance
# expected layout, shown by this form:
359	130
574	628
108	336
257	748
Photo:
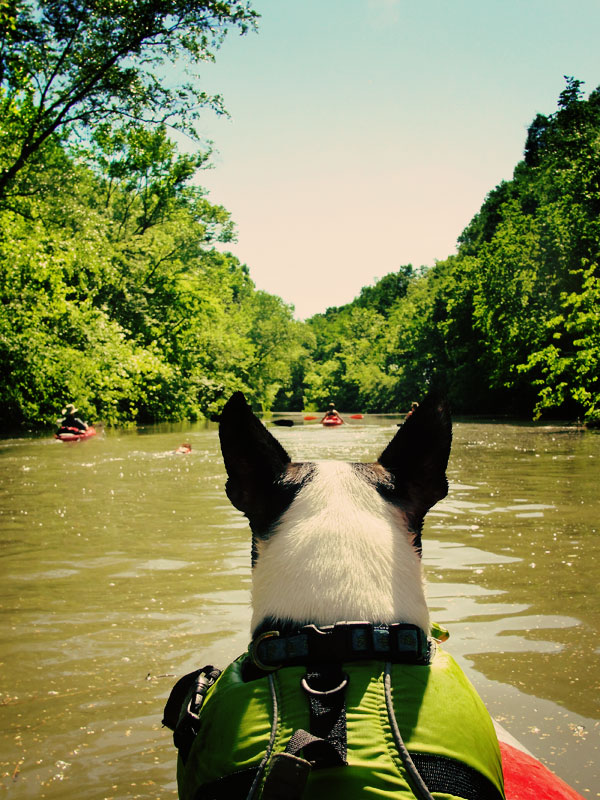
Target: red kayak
332	422
75	434
526	778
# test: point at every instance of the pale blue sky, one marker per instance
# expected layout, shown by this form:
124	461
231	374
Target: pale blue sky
364	134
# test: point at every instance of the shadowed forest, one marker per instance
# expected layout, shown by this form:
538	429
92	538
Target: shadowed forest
117	291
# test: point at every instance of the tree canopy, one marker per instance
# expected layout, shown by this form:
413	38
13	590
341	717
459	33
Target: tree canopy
67	66
511	324
116	290
112	292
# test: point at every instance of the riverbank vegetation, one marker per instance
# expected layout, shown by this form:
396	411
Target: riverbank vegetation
511	324
112	292
117	293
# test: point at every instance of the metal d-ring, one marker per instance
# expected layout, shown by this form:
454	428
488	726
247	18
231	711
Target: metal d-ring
254	651
316	693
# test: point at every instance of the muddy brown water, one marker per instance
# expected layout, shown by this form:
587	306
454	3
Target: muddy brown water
123	566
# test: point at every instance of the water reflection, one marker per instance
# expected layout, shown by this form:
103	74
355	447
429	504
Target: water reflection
123	566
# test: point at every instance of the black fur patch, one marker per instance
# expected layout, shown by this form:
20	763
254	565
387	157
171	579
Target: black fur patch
385	484
281	497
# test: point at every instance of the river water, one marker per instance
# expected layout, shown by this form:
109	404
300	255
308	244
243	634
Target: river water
123	567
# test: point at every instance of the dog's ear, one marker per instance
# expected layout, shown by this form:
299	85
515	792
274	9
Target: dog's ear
253	458
418	455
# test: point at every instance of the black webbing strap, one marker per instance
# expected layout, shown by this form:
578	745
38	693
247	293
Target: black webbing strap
289	772
325	688
317	751
325	745
286	778
235	786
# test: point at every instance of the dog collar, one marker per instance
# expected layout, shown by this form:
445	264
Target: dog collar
345	641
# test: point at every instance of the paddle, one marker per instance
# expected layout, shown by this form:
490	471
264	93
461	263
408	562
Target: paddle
309	417
284	423
356	416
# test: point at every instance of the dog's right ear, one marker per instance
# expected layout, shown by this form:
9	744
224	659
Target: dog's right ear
417	456
254	461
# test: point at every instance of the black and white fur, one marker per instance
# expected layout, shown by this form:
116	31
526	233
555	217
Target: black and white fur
334	541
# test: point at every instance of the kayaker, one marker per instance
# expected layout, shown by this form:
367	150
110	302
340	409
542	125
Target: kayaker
183	449
331	413
69	421
413	408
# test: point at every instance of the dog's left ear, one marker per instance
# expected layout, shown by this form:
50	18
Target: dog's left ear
418	454
254	461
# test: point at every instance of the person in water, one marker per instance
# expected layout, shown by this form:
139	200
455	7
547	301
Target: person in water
183	449
69	421
331	413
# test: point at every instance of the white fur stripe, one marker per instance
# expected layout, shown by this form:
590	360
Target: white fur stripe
340	552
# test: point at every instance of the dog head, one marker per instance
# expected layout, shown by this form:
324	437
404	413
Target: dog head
334	541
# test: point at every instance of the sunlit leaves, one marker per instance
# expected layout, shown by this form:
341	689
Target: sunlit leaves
567	368
509	325
67	66
111	294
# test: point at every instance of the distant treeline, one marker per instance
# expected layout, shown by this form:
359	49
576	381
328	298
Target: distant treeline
114	296
509	325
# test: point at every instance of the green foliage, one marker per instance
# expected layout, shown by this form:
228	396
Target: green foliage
111	292
113	296
535	292
349	362
68	66
510	324
566	368
384	294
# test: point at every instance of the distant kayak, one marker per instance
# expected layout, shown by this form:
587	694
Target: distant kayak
75	434
332	422
526	778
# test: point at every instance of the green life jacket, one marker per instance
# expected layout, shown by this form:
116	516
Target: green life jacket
438	712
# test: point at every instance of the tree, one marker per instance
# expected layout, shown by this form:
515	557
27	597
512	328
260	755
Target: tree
566	369
509	324
387	291
277	343
69	65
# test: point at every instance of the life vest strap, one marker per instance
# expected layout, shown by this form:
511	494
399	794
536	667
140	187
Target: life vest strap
325	688
287	778
235	786
182	711
326	743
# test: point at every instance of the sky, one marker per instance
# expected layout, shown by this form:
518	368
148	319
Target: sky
365	134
